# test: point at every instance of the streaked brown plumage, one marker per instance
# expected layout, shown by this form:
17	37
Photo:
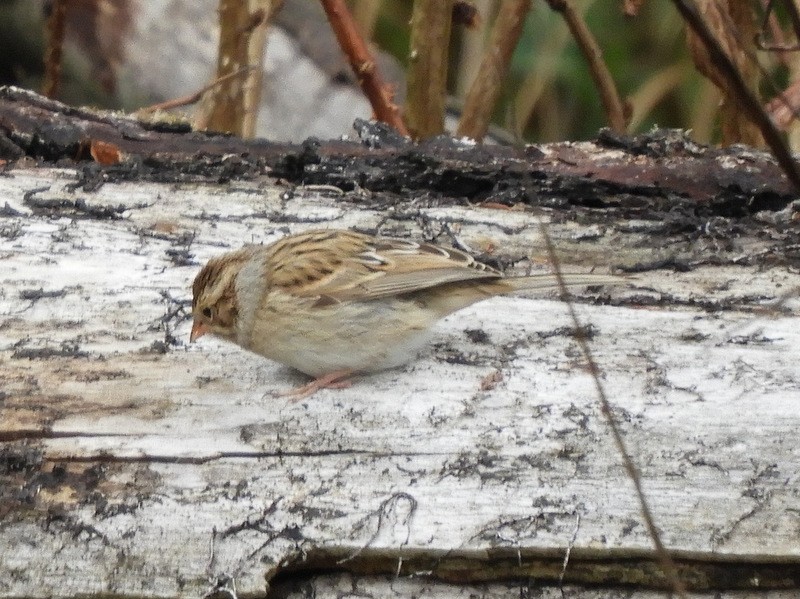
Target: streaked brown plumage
331	303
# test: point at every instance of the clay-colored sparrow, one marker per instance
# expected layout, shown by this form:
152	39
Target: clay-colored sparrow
333	303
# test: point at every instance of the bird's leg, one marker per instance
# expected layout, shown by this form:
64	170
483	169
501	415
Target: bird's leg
338	379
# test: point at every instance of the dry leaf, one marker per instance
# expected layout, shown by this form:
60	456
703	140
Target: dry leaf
105	153
491	380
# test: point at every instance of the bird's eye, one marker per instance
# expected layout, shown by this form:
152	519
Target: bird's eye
208	313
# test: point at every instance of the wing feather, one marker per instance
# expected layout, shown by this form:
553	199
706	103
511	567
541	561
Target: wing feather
336	265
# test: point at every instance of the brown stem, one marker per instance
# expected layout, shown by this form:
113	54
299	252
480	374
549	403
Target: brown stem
233	106
363	64
485	89
612	103
55	45
427	67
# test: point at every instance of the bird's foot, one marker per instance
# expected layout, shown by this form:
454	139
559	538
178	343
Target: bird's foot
338	379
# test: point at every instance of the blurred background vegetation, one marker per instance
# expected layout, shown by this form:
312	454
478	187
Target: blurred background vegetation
547	95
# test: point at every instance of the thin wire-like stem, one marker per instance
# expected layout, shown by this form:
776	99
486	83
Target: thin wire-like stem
666	561
193	97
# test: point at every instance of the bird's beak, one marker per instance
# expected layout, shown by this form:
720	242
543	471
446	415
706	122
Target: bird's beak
198	330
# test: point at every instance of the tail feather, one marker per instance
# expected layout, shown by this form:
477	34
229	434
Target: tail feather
449	298
550	281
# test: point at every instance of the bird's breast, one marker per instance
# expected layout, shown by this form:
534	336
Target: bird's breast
362	336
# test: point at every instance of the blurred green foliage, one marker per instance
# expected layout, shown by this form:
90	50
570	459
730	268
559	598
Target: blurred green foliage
635	49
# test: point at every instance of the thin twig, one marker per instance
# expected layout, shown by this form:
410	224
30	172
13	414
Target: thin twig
568	551
732	24
782	108
666	561
612	103
383	512
485	89
744	96
193	97
363	64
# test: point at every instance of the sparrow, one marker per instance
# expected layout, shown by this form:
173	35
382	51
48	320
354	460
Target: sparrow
335	303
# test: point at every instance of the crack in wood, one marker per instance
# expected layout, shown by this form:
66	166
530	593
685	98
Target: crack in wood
44	433
226	455
592	567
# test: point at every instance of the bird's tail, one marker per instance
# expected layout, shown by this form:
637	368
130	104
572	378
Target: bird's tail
548	281
461	294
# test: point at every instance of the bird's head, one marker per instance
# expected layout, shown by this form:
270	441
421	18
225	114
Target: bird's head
214	306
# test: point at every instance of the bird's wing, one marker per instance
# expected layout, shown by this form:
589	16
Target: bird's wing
337	265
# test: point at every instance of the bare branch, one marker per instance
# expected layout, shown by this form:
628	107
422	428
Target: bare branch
363	64
193	97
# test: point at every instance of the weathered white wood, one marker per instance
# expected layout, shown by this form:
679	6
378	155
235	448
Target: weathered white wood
410	463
